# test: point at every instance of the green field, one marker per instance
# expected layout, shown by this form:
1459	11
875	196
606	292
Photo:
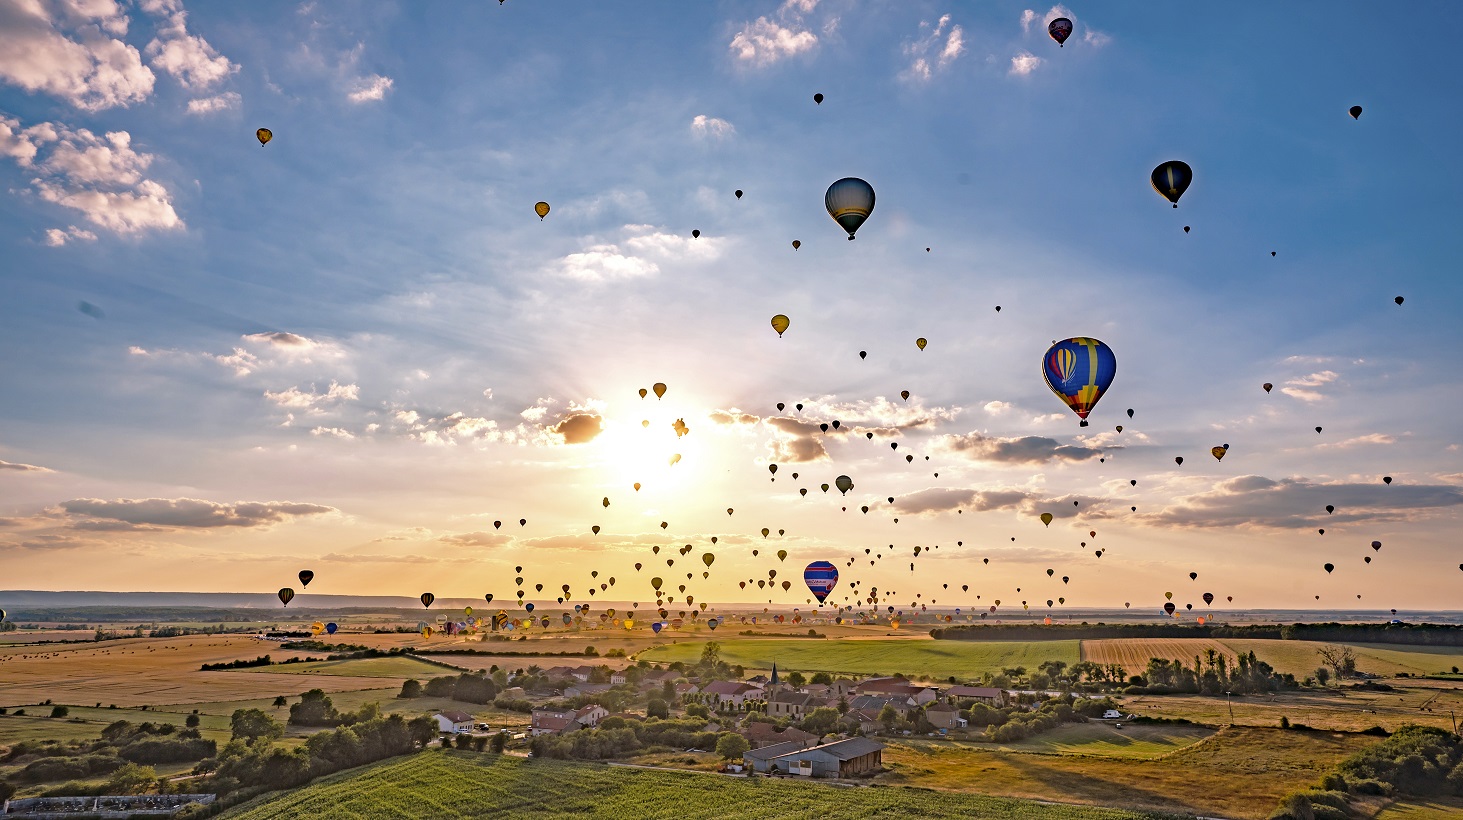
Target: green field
1299	658
1103	739
928	659
441	784
396	667
1442	807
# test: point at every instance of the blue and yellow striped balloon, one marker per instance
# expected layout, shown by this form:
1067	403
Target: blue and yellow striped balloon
1079	371
821	577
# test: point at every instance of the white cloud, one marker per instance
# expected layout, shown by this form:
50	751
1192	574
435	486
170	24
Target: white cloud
636	255
226	101
765	42
185	512
370	89
337	432
1302	394
704	126
23	468
1370	438
997	408
934	51
102	177
63	49
297	398
56	237
1024	63
1096	39
185	57
1315	379
1027	18
601	263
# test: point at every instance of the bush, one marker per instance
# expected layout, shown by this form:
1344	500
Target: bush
411	689
192	721
1296	806
1334	799
59	711
1328	813
1333	782
499	742
731	746
1374	787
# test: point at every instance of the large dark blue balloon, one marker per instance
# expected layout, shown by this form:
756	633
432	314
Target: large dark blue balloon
1079	371
821	577
330	628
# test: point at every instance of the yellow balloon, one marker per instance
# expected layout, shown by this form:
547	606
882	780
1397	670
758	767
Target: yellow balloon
1046	518
542	209
920	343
780	323
659	388
264	135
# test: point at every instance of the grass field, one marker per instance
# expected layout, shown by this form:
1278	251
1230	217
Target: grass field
1439	809
928	659
1297	658
1238	772
398	667
1102	739
1424	702
459	784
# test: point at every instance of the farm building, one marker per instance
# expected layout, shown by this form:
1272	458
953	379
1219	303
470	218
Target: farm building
760	735
455	722
898	687
944	716
759	760
796	705
989	695
731	693
843	758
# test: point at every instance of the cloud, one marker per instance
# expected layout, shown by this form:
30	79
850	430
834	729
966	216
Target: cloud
370	89
102	177
1302	394
227	101
294	397
63	49
192	513
56	237
934	51
637	255
1370	438
1021	450
1024	63
579	428
938	500
733	417
997	408
1254	501
476	539
795	441
24	468
1315	379
1095	38
712	127
765	42
274	348
336	432
185	57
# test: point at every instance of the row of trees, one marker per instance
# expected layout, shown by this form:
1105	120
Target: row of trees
1390	632
1415	762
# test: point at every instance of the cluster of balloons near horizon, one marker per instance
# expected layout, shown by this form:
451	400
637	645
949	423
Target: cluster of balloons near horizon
1078	370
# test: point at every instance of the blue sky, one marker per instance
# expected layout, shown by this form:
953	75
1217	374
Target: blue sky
357	347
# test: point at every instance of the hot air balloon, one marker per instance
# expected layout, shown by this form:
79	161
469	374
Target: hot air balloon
844	484
1268	386
659	388
1386	479
264	135
1218	453
1398	299
306	576
1328	567
331	628
542	209
1046	518
1208	598
849	201
1060	29
655	627
920	343
1171	179
821	577
708	559
1355	112
796	244
1169	607
818	98
696	233
428	598
780	324
1079	370
285	596
739	193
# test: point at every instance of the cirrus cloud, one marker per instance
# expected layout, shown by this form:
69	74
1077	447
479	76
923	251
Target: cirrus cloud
189	513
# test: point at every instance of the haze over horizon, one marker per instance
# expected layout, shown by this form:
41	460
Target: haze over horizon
356	348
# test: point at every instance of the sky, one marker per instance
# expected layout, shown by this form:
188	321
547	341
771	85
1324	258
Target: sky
357	350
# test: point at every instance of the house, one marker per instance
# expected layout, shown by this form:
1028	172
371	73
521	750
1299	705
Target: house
453	722
552	722
760	735
864	720
898	687
759	760
840	688
579	673
944	716
989	695
687	688
727	693
873	704
578	689
796	705
618	678
590	716
660	678
842	758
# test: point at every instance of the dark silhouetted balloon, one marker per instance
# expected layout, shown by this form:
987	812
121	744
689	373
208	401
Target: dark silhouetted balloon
1329	567
1355	112
1398	300
1060	29
849	201
1268	387
286	595
696	234
1171	179
1386	479
306	576
428	598
739	193
818	98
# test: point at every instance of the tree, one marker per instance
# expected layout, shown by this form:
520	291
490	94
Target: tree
251	724
59	711
731	746
499	742
656	707
822	678
281	701
711	655
410	689
888	716
314	709
698	710
796	680
131	779
668	692
1322	675
191	721
1341	659
820	721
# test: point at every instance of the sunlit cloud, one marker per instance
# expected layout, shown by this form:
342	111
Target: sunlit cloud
186	57
1254	501
64	50
370	89
1024	63
190	512
1019	450
227	101
764	41
711	127
23	468
934	51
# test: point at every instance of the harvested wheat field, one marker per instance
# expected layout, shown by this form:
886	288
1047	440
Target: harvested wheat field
146	671
1134	653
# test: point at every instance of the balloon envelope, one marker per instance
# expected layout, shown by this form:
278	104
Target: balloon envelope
780	323
1060	29
264	135
849	201
821	577
1171	179
542	209
1079	370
